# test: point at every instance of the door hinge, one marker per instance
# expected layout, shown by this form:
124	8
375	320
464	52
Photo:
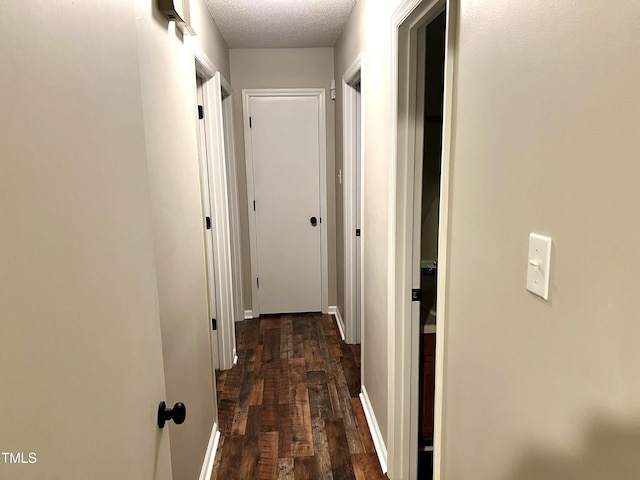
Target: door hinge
320	219
214	324
250	122
207	221
200	112
254	205
257	282
357	232
416	295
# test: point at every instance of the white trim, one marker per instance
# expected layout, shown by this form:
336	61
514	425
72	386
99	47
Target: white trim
217	188
410	16
335	311
206	237
374	428
248	314
234	202
204	66
288	92
351	77
210	454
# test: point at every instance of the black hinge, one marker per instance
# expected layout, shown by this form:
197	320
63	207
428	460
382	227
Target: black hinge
320	219
254	205
249	122
200	112
416	295
257	282
357	232
207	221
214	324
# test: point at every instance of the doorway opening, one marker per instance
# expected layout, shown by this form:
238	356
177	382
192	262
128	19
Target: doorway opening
423	78
431	44
352	163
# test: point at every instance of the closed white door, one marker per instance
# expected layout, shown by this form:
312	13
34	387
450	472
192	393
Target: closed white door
285	148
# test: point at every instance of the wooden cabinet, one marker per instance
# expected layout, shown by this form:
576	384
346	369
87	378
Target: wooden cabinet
428	385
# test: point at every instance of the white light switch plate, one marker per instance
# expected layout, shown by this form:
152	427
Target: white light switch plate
538	264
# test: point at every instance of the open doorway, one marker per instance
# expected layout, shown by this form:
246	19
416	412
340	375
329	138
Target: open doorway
431	50
423	35
352	157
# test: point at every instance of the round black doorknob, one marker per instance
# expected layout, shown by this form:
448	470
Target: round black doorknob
178	413
314	221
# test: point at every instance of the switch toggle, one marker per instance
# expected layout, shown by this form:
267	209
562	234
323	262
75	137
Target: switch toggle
539	263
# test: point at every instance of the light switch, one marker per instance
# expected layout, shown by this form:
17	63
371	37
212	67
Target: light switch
538	264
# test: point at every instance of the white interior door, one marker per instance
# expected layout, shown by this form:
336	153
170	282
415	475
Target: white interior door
284	137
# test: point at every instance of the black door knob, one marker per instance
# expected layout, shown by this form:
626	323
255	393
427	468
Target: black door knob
314	221
178	413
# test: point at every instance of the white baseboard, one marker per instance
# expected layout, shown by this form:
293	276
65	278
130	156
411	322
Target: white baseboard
248	314
374	428
210	455
335	311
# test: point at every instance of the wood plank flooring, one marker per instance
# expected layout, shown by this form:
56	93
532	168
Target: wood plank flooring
290	409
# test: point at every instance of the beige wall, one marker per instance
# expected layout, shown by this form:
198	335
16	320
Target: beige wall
547	123
282	68
167	77
368	31
208	38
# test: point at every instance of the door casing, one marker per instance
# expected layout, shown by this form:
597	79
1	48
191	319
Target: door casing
247	94
404	239
352	198
214	186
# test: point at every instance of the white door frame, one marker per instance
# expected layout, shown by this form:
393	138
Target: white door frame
405	199
350	79
318	93
221	271
234	203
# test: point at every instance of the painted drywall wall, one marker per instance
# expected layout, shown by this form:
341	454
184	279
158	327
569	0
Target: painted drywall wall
80	347
167	76
208	37
368	31
283	68
546	139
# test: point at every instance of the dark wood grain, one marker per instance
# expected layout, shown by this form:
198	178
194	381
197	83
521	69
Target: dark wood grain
304	468
267	468
367	467
289	410
363	427
341	465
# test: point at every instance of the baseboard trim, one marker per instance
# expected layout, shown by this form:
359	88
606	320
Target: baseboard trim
210	455
335	311
374	428
248	314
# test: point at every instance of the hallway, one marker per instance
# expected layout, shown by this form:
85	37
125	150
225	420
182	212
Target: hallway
290	409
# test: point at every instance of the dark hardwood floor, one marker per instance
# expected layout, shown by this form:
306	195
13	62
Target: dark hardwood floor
290	409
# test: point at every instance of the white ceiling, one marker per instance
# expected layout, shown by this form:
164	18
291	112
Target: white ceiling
280	23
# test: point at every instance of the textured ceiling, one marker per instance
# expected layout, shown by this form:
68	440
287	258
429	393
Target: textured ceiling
280	23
